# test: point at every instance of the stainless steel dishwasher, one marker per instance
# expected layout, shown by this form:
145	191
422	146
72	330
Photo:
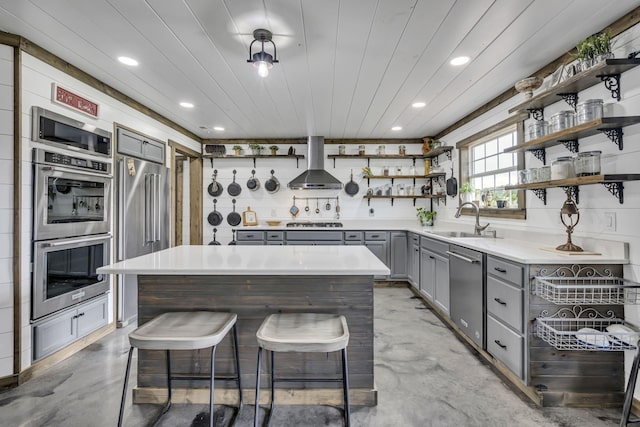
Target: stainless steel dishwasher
467	291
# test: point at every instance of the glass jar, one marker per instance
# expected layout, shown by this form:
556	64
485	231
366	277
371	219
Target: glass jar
398	170
412	170
410	191
381	150
544	173
341	150
588	163
562	168
589	110
538	129
522	176
533	175
402	150
562	120
361	150
385	170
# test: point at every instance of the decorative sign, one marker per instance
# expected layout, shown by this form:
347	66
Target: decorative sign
67	98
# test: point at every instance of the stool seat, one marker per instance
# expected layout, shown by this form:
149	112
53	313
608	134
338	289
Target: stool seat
303	332
183	331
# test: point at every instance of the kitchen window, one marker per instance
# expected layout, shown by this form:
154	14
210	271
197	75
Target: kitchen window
485	165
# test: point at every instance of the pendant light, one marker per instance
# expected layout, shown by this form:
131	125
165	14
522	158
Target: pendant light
262	60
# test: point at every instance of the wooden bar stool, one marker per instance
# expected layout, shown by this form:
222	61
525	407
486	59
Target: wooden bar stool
304	333
185	331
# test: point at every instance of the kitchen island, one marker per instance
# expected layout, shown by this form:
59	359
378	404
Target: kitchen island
253	282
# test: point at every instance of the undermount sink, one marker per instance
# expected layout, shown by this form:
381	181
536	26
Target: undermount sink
464	234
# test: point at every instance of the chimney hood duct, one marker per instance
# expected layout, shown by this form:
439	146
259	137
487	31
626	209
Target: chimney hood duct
315	177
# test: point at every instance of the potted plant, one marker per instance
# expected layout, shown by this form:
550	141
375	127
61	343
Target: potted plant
466	192
274	149
425	216
585	53
237	149
255	149
602	46
594	49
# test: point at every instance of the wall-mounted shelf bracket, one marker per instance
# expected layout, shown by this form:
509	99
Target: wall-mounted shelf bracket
615	188
536	113
541	193
572	145
434	161
573	191
615	135
448	154
612	82
540	154
571	99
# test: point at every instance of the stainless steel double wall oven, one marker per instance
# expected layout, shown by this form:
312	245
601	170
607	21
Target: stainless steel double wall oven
72	183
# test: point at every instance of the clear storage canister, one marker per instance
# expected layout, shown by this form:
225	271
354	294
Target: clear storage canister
562	120
562	168
589	110
538	129
588	163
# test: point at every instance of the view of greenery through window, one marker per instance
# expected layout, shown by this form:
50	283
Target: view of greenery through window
491	170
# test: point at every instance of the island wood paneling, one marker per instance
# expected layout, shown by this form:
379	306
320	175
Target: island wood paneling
253	298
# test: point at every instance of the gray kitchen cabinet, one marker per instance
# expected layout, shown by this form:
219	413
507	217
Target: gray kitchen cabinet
434	272
413	260
441	296
250	238
61	329
378	243
398	255
134	144
275	238
427	273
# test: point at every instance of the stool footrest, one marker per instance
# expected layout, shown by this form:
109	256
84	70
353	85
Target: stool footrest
207	377
307	380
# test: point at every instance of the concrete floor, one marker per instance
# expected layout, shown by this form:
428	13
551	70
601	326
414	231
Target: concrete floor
425	377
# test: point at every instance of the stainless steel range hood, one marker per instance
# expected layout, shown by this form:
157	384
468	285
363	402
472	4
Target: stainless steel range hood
315	177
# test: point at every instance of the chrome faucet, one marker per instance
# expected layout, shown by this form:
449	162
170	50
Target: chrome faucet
478	228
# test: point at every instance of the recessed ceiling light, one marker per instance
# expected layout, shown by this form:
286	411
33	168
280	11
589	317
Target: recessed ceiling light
396	128
218	128
418	104
128	61
460	60
186	104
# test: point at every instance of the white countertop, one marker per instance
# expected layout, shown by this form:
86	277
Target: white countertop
254	261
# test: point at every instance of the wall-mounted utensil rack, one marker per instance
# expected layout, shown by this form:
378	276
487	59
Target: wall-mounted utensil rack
314	198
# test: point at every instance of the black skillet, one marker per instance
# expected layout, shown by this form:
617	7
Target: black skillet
452	185
272	185
215	189
253	183
215	217
352	187
233	242
234	217
234	189
214	241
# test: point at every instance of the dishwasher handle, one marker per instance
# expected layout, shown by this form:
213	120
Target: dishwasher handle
464	258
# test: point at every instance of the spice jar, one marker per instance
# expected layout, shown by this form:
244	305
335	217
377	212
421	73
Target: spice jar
341	150
381	150
402	150
562	168
361	150
538	129
589	110
385	170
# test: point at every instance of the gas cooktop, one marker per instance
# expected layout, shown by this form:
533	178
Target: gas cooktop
314	224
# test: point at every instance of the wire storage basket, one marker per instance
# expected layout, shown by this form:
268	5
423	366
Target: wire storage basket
585	329
587	290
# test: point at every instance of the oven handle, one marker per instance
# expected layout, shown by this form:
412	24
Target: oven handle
73	242
464	258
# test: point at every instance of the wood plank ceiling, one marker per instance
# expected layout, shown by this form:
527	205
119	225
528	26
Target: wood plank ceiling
348	68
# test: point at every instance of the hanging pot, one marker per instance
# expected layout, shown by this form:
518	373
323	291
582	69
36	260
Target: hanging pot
234	189
351	187
215	217
452	185
253	183
234	217
214	241
215	189
272	185
233	242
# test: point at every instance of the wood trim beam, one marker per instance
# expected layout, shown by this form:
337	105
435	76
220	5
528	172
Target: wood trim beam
9	39
195	201
328	141
17	210
495	128
624	23
183	149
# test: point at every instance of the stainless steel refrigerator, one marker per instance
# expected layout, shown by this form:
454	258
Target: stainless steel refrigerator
143	222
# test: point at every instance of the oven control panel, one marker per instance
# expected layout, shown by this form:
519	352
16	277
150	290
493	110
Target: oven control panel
75	162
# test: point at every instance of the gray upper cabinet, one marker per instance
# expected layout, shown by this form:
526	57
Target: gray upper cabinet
133	144
398	255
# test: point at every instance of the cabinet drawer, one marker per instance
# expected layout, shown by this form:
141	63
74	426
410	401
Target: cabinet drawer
505	345
353	242
505	270
505	302
314	235
275	235
250	235
353	235
414	238
375	235
434	245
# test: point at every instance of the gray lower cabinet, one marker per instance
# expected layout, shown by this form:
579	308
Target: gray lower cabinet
61	329
413	259
378	243
434	272
398	255
275	238
247	238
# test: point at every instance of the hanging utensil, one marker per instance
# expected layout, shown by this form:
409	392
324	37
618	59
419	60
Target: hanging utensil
294	209
337	208
317	206
328	205
253	183
215	217
452	185
234	217
234	189
214	241
351	187
215	189
306	208
233	242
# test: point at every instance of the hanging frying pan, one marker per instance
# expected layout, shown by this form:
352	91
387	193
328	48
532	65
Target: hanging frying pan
272	185
351	187
234	189
214	241
253	183
233	242
215	217
215	189
452	185
234	217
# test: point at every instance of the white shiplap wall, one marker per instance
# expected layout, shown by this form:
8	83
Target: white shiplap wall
6	210
37	78
595	200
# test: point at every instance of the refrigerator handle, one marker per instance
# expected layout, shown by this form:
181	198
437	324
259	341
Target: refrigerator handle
121	198
158	196
148	209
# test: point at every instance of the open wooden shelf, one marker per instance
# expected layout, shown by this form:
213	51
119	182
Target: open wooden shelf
431	175
437	197
432	154
578	83
254	157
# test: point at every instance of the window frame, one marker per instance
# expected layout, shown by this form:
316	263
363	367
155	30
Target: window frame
464	146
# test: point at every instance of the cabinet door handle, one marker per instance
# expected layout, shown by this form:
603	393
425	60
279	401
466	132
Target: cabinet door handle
502	346
499	301
351	236
500	270
430	257
375	236
249	236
